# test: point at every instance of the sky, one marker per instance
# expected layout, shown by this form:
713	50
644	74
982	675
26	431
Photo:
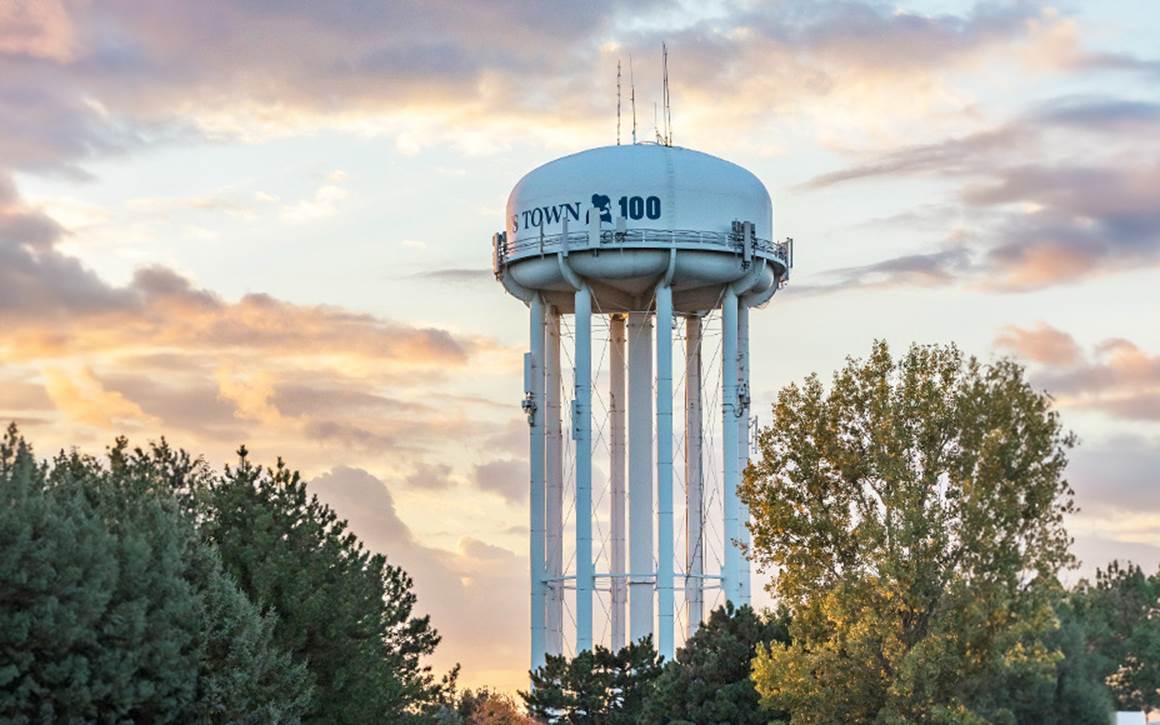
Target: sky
268	222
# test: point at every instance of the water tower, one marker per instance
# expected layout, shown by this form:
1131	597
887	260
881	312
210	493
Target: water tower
632	240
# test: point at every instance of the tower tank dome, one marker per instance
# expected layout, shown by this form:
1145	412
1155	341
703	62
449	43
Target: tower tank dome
641	201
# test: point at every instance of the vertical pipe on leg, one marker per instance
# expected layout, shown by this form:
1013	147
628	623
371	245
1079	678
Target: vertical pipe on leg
640	480
554	476
534	405
582	432
731	568
617	445
743	443
664	393
694	548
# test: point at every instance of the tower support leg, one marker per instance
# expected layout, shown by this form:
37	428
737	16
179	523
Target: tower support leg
664	398
554	476
617	401
743	443
694	502
534	405
731	570
640	475
582	432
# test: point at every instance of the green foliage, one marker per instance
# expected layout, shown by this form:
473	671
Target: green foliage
913	514
1121	614
709	680
111	608
482	707
596	687
346	613
243	675
1081	697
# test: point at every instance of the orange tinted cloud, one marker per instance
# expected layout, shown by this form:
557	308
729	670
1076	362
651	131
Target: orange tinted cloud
37	28
162	310
1042	344
1115	377
81	397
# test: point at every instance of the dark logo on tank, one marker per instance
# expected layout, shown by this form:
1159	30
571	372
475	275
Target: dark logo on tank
604	204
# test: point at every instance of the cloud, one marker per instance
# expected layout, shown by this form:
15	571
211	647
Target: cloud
92	79
1117	62
250	393
977	154
1116	479
22	225
1043	344
40	29
323	204
185	399
919	270
432	477
1046	222
81	397
475	594
161	353
952	156
164	308
1115	377
350	435
457	276
506	477
1118	475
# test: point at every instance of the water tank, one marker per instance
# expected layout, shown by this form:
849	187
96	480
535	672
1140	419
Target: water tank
617	212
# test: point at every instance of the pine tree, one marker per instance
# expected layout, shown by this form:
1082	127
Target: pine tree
345	613
112	609
58	578
596	687
709	680
1120	612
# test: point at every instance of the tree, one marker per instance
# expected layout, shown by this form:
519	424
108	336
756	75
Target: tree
709	680
482	707
1081	697
1121	614
346	614
243	676
596	687
913	516
112	609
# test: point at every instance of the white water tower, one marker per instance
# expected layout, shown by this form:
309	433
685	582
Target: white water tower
636	237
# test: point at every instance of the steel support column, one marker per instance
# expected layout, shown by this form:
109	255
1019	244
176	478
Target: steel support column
640	476
731	569
664	398
534	406
582	433
743	442
694	506
554	477
616	408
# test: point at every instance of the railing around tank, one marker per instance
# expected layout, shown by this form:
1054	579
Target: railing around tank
505	251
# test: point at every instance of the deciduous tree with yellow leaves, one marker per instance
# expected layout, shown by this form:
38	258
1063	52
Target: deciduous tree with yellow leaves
913	516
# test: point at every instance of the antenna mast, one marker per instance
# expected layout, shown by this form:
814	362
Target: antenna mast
668	117
618	102
632	96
